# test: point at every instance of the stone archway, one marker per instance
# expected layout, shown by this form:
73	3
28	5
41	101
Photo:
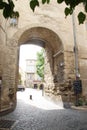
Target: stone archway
54	62
53	47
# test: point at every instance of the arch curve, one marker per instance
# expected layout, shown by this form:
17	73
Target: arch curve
44	35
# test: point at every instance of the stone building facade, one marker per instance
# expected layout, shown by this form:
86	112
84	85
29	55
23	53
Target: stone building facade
54	32
31	75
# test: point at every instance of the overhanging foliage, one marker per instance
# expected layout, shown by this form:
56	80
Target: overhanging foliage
71	5
8	7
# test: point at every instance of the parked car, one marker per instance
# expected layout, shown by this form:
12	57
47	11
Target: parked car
21	88
41	87
35	86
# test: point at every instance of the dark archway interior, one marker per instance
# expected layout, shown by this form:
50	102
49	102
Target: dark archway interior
36	41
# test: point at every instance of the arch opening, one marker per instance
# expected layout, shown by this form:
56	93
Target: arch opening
53	46
54	57
28	59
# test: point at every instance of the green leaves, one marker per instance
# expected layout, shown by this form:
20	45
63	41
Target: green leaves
67	2
33	4
40	64
48	1
60	1
45	1
8	8
6	13
15	14
2	5
85	6
67	11
81	17
71	6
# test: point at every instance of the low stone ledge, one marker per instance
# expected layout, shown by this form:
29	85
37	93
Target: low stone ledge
7	110
79	107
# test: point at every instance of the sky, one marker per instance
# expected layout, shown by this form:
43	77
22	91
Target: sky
27	52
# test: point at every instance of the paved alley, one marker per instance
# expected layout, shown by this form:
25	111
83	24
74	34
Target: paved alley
40	114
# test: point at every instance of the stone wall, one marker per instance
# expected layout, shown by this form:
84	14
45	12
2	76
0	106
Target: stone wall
48	24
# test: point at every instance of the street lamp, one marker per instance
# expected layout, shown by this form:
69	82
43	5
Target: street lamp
14	21
77	83
75	47
0	91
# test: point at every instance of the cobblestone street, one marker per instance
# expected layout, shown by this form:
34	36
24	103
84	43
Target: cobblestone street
39	114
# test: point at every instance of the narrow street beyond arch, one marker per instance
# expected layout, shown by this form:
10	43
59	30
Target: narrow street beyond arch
38	99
